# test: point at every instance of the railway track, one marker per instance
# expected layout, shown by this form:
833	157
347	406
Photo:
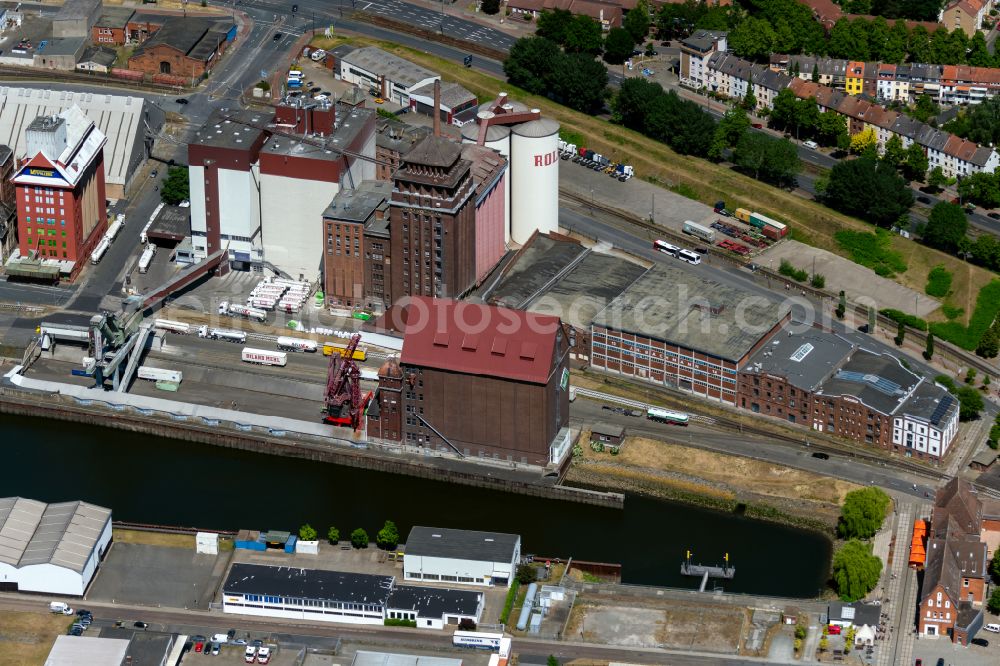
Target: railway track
652	231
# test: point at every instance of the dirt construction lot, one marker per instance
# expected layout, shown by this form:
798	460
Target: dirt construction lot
703	627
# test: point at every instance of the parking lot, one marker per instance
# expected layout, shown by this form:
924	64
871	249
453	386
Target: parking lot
236	654
929	650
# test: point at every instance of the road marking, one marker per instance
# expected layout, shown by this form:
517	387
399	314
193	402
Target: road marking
365	8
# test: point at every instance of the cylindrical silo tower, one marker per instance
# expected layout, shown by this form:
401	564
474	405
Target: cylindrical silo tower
497	138
534	166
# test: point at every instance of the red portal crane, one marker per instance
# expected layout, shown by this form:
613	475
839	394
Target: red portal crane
344	405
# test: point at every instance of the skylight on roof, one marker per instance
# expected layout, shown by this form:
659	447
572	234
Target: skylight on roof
801	352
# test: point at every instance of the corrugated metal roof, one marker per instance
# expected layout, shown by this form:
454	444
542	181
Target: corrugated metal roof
63	534
480	339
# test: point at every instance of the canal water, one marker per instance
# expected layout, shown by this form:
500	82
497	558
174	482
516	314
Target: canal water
164	481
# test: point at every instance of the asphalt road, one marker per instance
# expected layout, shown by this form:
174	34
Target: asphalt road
585	412
324	635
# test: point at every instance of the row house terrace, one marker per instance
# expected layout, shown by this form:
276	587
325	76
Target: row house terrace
729	75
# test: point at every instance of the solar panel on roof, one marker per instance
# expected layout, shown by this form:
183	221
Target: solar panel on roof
801	352
940	410
875	381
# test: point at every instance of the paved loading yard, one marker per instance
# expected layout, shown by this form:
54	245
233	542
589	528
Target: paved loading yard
154	575
663	624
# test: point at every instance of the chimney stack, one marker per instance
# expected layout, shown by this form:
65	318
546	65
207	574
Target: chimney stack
437	107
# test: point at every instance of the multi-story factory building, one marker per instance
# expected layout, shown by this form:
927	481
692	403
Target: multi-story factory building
482	381
60	189
824	381
432	227
675	328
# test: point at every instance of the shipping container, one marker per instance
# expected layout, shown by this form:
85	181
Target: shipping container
167	386
761	221
159	374
329	348
698	231
264	357
743	215
475	639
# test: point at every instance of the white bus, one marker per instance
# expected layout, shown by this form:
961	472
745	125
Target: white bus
475	639
296	344
689	256
666	248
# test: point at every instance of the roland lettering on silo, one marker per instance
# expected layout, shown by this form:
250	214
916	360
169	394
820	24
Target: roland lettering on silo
534	178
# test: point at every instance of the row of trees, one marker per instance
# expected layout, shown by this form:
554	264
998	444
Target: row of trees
979	123
760	156
787	26
868	188
573	78
645	107
582	34
386	539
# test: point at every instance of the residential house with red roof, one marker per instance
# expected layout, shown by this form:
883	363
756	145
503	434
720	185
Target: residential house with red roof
965	15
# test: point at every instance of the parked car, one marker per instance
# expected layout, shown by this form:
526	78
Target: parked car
810	144
321	97
198	646
181	100
263	655
84	611
924	200
757	125
315	90
199	638
250	655
76	631
981	642
295	8
821	456
379	100
215	649
277	36
154	173
231	634
139	625
994	215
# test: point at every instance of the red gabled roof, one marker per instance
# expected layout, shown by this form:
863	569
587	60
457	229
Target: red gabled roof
39	161
477	339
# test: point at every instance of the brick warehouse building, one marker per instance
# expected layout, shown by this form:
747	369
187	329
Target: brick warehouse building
675	328
825	382
483	381
432	222
184	47
60	188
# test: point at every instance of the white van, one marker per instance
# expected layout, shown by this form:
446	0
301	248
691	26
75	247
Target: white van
60	607
995	628
318	55
810	144
295	74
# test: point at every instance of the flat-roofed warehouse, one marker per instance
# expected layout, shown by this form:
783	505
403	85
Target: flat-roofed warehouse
129	123
461	556
675	328
53	548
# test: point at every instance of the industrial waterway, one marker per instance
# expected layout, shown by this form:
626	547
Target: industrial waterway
170	482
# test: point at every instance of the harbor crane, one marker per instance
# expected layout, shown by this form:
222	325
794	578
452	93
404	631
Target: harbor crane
344	403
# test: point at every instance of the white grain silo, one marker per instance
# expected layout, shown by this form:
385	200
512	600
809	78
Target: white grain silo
497	138
534	167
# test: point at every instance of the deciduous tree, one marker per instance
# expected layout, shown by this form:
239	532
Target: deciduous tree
307	532
359	538
753	38
579	82
333	535
970	403
915	163
553	25
175	187
872	191
772	160
636	22
864	141
863	512
583	35
387	537
894	153
617	46
855	570
530	63
946	226
490	7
